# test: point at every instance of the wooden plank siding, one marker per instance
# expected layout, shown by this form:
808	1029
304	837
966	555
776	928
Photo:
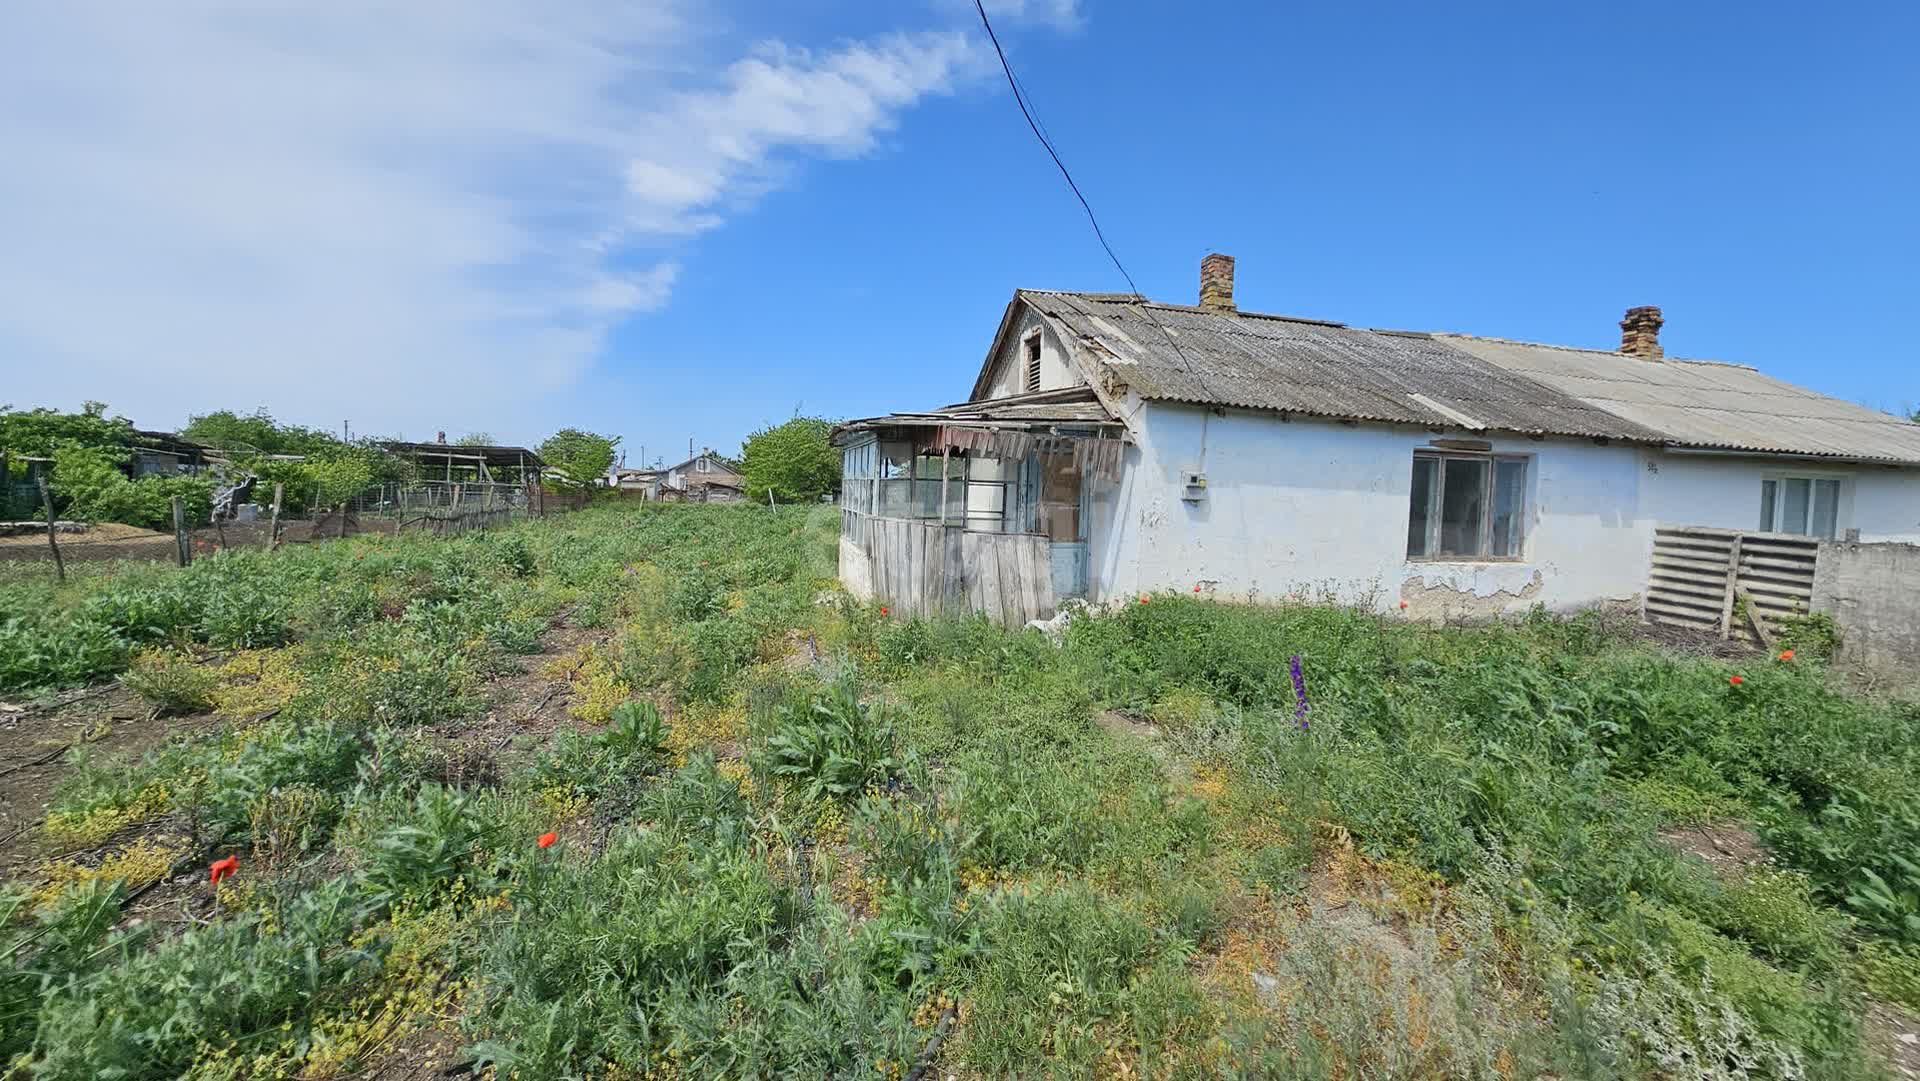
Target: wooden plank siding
1697	574
929	570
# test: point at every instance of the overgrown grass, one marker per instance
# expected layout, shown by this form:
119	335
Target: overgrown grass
1120	855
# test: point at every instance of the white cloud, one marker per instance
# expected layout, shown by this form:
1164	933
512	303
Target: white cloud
403	213
1064	14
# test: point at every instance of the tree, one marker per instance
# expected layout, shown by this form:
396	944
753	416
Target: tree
580	457
37	433
476	439
795	461
257	431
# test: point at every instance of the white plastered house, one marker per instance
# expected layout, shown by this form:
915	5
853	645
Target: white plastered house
1114	446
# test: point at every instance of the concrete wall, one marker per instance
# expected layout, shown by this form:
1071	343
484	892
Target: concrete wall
1873	594
1056	372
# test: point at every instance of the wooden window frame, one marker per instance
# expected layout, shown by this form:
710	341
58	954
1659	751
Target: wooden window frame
1436	499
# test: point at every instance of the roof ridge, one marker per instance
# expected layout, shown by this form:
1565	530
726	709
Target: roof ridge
1583	349
1191	309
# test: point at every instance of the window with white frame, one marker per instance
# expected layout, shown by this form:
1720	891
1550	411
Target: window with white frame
1808	506
1465	506
704	465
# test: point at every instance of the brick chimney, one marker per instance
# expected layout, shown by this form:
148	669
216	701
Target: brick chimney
1640	333
439	437
1216	283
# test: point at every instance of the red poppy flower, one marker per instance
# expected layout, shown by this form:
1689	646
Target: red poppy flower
1143	600
223	868
547	839
1403	605
883	611
1786	654
1736	680
1196	587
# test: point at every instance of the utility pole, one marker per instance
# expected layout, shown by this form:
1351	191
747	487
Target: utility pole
346	431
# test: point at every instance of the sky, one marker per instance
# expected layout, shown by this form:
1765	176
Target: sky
682	221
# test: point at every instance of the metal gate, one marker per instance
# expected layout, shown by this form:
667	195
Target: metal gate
1730	583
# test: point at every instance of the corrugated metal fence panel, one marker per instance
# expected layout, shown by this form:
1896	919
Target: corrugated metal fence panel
1705	578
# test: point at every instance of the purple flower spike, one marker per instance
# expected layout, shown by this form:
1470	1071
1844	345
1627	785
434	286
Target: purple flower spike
1299	693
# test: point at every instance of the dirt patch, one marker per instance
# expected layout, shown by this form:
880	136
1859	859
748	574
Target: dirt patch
529	703
1728	848
34	746
1895	1033
105	532
1689	640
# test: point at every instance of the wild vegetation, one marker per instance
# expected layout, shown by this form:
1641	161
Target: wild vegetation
785	834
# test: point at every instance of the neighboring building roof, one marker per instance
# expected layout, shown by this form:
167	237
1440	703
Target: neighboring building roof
1317	368
495	457
729	464
1703	403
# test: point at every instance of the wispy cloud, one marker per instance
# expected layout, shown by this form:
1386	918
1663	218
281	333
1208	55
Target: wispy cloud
375	209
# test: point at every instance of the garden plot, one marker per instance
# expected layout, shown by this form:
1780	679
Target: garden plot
640	794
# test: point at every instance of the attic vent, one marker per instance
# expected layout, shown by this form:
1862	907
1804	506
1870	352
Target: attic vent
1033	363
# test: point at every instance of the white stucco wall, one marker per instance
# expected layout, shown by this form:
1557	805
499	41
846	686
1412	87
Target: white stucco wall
1056	372
1315	509
1320	509
1724	492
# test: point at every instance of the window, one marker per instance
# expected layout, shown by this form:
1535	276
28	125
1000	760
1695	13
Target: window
704	465
1807	506
1033	362
1466	506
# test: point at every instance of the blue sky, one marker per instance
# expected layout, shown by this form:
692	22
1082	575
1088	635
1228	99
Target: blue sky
673	220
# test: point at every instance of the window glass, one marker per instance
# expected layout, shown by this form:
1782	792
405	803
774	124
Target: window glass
896	461
1420	506
1796	494
1769	493
1509	502
986	494
1463	506
1826	508
1059	497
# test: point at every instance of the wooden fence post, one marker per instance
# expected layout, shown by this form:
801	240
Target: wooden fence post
46	500
1733	587
273	521
180	532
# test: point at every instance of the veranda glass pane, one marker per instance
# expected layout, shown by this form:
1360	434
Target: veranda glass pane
1426	475
1463	508
1826	508
1509	502
1769	492
896	499
1796	493
896	461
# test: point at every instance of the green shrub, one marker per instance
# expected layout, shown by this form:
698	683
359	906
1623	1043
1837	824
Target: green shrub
835	747
419	857
172	682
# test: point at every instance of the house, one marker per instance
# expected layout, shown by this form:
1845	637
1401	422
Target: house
644	481
1114	446
704	478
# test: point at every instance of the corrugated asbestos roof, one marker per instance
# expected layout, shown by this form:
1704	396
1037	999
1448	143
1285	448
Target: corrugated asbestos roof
1318	369
1699	403
1444	380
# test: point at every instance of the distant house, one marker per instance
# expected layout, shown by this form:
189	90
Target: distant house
706	477
644	481
164	454
1114	446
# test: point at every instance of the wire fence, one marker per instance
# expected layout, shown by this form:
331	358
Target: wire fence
436	507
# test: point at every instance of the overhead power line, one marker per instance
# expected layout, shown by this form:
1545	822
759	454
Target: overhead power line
1146	306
